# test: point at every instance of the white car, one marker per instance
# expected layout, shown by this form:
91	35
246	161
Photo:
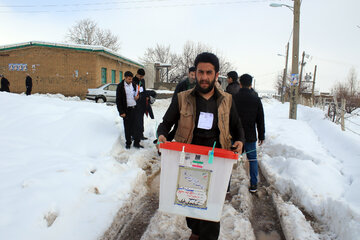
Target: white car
104	93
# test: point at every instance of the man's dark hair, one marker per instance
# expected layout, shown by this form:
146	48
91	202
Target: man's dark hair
207	58
246	80
192	69
141	72
233	75
128	74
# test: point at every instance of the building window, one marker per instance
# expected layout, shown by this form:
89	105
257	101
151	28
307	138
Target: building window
120	76
103	75
113	76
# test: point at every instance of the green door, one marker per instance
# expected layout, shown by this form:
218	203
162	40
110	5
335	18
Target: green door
120	76
103	75
113	73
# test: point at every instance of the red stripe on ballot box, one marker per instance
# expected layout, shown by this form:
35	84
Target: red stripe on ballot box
197	149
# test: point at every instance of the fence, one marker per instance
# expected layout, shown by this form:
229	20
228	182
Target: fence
337	114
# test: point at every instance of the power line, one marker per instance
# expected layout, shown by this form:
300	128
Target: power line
78	5
335	61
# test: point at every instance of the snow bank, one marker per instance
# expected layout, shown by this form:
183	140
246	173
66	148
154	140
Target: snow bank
314	163
58	177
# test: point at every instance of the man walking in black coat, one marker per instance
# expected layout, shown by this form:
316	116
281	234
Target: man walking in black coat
126	97
28	84
5	84
143	99
251	113
233	84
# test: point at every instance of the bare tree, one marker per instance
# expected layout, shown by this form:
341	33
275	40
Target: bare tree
192	49
352	81
87	32
162	54
180	63
349	91
189	53
278	84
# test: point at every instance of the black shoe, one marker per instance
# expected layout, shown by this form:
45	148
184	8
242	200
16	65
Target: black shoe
144	138
155	141
194	237
138	146
127	146
253	188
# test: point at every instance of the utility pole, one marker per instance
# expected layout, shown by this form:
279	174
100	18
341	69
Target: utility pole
295	62
313	87
284	75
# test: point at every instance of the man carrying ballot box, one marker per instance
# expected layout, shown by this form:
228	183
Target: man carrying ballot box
204	115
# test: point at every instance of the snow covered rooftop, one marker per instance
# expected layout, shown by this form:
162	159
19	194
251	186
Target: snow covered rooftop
92	48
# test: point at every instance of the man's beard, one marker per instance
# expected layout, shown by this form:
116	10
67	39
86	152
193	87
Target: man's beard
206	90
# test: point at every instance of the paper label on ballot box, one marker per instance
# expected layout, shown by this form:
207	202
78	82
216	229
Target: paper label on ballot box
192	187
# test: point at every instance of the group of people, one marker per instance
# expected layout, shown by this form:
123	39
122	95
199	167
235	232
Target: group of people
200	113
5	84
133	102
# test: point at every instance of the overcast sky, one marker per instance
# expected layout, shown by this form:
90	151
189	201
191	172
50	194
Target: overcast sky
249	33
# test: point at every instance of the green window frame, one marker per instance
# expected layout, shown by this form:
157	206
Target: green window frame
113	76
103	76
120	76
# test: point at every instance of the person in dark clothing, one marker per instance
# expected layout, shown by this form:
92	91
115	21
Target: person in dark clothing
254	92
143	100
184	85
28	84
251	113
5	84
126	97
151	95
233	84
189	109
187	83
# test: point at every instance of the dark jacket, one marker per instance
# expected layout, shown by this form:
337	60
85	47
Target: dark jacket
148	108
251	113
172	115
121	97
254	92
183	86
141	102
5	85
233	88
28	82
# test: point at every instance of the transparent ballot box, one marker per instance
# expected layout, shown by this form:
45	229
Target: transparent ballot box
192	182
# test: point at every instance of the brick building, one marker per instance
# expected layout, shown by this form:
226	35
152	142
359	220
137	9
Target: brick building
68	69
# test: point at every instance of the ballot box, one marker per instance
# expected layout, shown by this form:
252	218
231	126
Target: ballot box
192	183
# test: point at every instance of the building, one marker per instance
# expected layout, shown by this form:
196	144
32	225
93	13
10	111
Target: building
69	69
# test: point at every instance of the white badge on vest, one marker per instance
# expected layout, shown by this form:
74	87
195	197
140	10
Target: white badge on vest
205	120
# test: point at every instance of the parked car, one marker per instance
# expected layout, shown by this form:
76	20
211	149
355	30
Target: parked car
104	93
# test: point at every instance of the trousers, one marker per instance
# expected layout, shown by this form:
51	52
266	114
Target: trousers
206	230
131	126
252	157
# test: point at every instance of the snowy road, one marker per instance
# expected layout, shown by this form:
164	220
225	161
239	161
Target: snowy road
64	170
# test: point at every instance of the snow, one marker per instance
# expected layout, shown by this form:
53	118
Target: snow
316	164
64	172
